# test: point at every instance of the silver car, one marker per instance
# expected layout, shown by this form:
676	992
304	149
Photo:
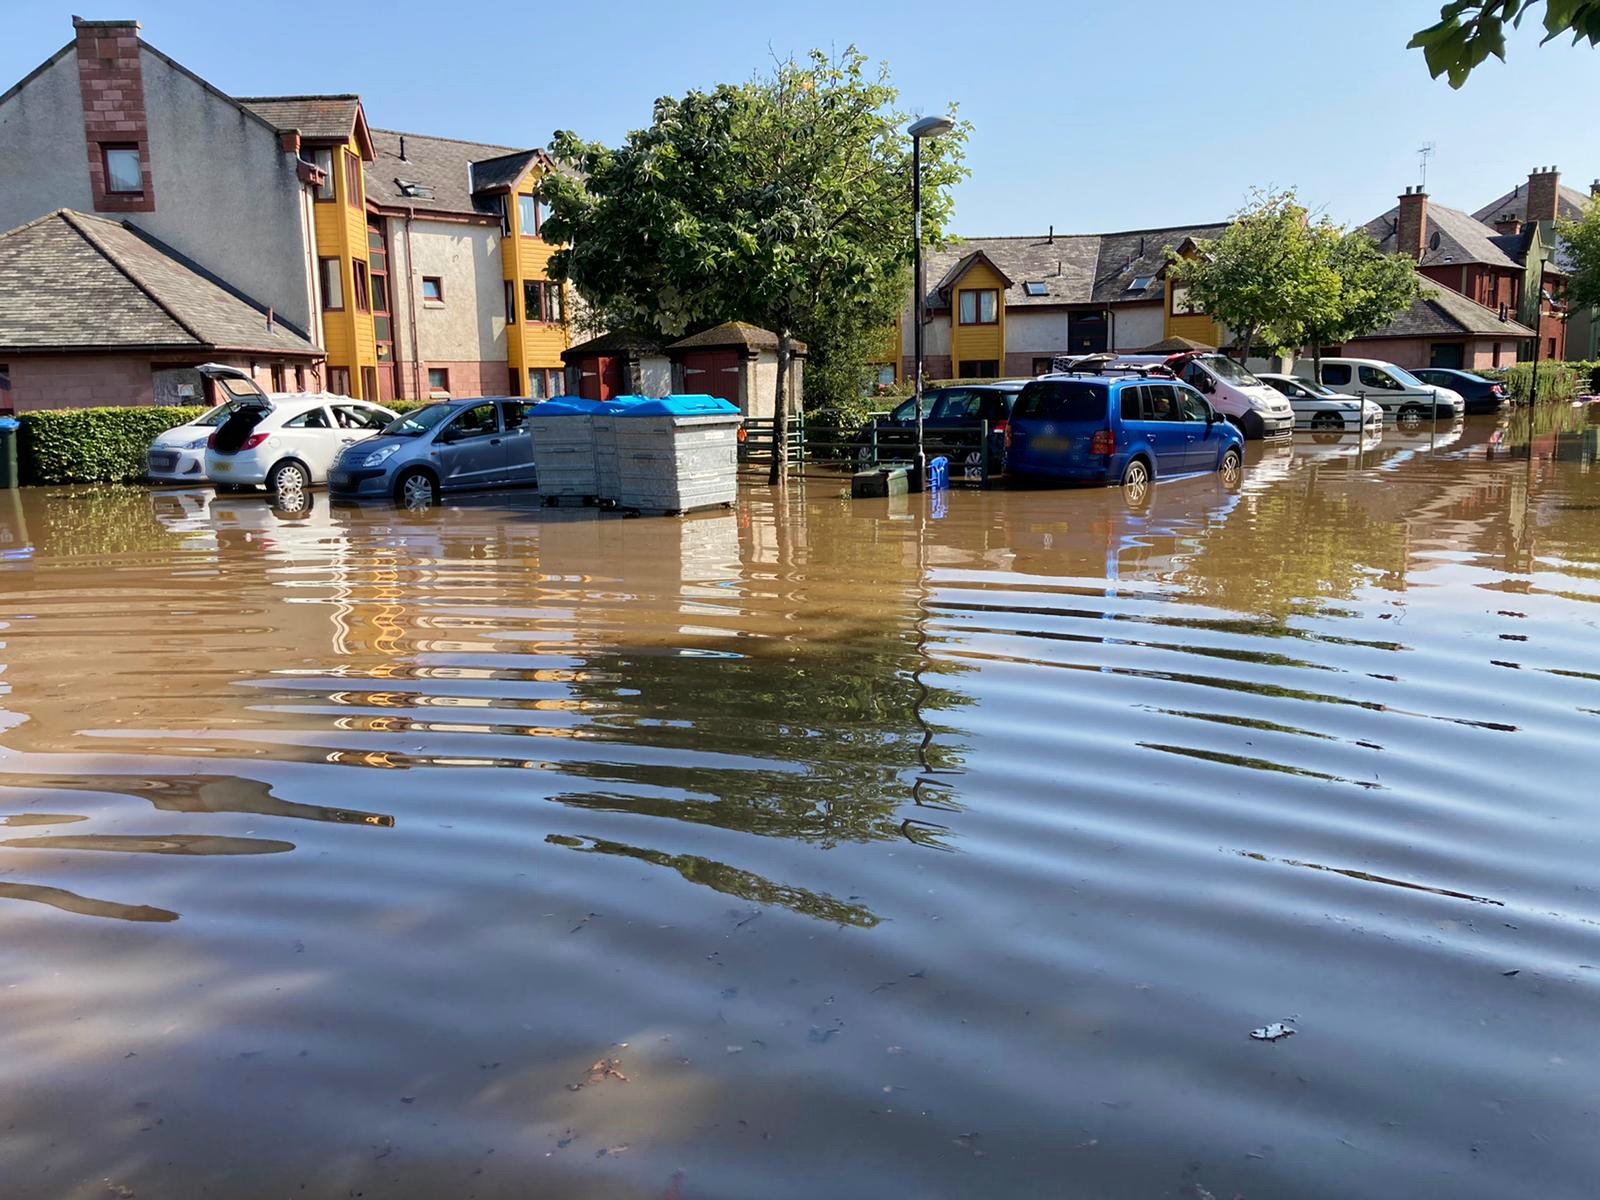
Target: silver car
447	446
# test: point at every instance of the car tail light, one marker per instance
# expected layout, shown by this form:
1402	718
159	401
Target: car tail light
1006	427
211	442
251	442
1496	389
1103	442
1001	426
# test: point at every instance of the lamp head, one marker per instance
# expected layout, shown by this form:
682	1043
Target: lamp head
931	127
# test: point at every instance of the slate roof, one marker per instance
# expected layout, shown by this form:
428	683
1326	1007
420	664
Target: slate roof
734	334
616	342
1080	268
1570	205
457	173
72	281
1440	312
318	117
1461	238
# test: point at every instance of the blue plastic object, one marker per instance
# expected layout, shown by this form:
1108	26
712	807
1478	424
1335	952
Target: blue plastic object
938	474
681	406
566	406
9	424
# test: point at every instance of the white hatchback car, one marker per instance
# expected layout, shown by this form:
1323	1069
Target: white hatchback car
1320	408
179	454
285	442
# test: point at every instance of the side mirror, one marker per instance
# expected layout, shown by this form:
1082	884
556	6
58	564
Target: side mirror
445	436
1211	416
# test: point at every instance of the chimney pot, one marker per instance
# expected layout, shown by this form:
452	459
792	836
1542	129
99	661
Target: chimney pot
1052	236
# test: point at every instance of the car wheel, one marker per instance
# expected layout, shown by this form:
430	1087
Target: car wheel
1327	420
1410	416
416	490
1136	481
288	483
1231	469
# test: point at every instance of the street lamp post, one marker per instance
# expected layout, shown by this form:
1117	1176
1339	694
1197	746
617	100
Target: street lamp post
927	127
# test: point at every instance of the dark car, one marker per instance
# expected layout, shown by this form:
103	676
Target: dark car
1480	394
950	417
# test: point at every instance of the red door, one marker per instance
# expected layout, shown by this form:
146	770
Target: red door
601	378
712	373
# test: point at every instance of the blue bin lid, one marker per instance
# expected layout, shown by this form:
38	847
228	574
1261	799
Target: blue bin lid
565	406
620	404
682	406
9	424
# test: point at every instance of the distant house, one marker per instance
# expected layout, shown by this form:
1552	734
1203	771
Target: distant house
1007	306
737	362
1443	329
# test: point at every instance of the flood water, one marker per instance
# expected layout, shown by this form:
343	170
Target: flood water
925	847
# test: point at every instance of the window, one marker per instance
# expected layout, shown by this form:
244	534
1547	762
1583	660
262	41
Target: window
513	382
505	215
556	306
352	180
1035	287
1181	305
339	380
312	418
124	172
959	404
277	377
886	375
1373	377
363	299
511	303
332	285
1336	374
419	191
1550	353
1161	402
1132	404
979	306
513	413
536	389
358	416
558	381
324	161
1191	406
432	289
1141	283
477	421
980	368
1043	366
299	379
439	380
528	216
1063	400
541	300
369	381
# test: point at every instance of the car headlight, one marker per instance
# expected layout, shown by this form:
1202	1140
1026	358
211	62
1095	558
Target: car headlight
198	443
380	456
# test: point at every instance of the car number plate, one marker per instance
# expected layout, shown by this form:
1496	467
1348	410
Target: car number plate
222	468
338	477
1050	443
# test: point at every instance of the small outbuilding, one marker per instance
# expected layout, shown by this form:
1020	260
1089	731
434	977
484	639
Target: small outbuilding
618	364
737	362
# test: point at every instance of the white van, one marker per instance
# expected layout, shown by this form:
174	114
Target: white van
1232	389
1403	396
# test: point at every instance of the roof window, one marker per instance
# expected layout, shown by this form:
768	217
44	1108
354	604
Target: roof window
419	191
1035	287
1141	283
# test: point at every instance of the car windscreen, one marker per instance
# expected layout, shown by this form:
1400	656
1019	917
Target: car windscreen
1064	400
1405	377
214	417
1229	371
415	424
907	411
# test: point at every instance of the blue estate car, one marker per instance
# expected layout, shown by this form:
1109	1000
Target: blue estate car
1118	429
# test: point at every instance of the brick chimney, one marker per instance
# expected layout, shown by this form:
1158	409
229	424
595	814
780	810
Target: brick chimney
1506	223
1543	193
1411	226
1594	190
114	124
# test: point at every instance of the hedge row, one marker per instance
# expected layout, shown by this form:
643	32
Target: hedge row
91	445
1558	381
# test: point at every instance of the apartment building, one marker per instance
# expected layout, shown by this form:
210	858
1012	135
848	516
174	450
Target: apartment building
406	265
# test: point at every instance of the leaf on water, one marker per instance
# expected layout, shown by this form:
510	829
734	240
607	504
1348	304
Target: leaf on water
608	1150
1272	1032
968	1141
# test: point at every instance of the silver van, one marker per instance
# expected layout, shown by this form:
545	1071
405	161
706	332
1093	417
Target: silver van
447	446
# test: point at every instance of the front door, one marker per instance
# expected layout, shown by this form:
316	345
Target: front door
471	451
1446	354
1203	448
1169	433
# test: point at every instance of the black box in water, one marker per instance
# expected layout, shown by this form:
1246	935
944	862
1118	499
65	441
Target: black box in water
886	481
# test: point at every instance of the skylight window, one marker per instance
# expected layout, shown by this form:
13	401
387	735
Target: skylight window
1141	283
420	191
1035	287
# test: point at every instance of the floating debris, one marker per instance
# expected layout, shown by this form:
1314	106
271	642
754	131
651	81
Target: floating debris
1273	1032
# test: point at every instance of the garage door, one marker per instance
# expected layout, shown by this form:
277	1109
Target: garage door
712	373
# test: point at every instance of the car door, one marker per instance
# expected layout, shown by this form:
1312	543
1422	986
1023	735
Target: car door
1203	434
1169	435
312	437
470	449
518	442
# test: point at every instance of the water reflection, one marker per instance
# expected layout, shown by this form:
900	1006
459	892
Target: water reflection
831	819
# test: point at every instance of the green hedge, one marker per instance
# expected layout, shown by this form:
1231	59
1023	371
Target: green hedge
91	445
1557	380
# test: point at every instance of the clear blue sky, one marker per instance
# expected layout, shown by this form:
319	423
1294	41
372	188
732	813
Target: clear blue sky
1195	102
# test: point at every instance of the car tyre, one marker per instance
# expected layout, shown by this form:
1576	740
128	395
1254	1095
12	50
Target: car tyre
1231	469
1327	420
1136	482
416	489
1410	416
289	483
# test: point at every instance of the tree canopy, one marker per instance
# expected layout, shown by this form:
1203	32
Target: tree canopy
1469	31
1582	238
784	201
1278	278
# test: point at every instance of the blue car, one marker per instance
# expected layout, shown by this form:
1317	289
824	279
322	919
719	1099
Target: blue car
1118	429
451	445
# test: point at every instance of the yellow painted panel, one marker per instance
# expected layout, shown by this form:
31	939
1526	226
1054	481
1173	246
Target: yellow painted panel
1196	326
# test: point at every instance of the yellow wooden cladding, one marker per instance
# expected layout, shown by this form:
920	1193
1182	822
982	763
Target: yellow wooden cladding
977	343
342	234
529	344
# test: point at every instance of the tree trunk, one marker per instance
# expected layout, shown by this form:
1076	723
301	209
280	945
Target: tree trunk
780	410
1316	359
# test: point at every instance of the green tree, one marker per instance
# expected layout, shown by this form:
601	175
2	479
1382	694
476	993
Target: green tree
1582	238
785	201
1259	274
1354	289
1469	31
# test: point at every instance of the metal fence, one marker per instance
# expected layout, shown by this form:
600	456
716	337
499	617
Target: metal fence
878	444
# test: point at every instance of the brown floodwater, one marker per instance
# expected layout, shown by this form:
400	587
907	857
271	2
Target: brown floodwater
935	847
